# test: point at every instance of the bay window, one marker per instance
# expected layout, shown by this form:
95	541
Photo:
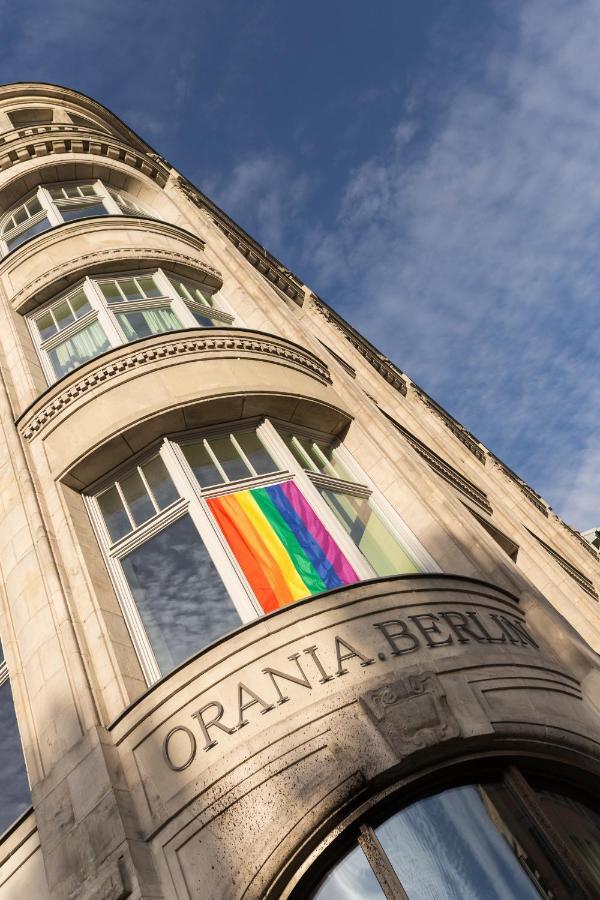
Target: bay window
215	529
103	312
49	206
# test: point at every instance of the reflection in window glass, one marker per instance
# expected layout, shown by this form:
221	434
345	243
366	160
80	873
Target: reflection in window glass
449	846
352	879
81	211
202	464
230	459
378	545
256	452
136	497
147	322
37	228
77	349
14	788
579	825
179	594
160	482
114	514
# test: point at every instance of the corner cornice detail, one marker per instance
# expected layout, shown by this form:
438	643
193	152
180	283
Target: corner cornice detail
268	266
40	144
93	374
384	366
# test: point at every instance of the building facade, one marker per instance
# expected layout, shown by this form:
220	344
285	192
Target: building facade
273	623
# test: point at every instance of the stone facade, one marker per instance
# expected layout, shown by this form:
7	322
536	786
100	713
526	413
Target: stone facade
227	776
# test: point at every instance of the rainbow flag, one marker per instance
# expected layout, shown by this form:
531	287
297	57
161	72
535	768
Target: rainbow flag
282	547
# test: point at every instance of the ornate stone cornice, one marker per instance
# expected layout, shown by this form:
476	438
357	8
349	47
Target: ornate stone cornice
257	256
80	266
384	366
442	468
72	140
582	580
148	353
527	491
463	435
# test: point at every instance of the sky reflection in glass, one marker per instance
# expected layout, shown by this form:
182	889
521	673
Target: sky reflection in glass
179	594
15	797
447	848
352	879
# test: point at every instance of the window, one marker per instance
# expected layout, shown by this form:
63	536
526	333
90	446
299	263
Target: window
474	840
14	787
106	312
213	530
24	118
55	204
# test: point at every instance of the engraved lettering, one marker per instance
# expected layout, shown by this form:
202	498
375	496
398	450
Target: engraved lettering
504	626
352	652
274	674
487	636
402	633
215	722
520	631
242	707
461	627
312	652
431	628
165	748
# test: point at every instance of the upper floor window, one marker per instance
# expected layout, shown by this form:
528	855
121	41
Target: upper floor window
14	787
216	529
55	204
101	313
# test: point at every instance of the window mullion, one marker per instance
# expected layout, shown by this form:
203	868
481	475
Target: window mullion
242	454
148	489
105	317
218	465
110	204
125	506
54	216
382	868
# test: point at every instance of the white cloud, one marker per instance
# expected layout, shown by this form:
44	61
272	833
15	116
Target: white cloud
264	194
476	256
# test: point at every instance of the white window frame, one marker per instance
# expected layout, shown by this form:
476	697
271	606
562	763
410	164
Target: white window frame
51	209
192	501
106	313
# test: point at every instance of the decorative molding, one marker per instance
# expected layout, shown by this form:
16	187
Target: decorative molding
39	145
464	436
90	376
442	468
80	266
411	713
342	362
384	366
527	491
582	580
257	256
589	548
11	138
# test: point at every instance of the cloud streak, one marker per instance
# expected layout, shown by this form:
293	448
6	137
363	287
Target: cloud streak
472	252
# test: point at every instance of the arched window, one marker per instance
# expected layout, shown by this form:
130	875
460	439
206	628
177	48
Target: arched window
219	527
504	839
55	204
104	312
14	787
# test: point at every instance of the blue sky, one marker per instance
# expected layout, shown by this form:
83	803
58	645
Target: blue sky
430	169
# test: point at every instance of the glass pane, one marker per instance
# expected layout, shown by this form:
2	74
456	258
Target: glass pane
34	206
351	879
76	350
578	823
19	239
326	457
14	789
180	288
63	315
256	452
160	482
372	537
56	193
136	496
229	458
80	304
203	321
454	846
295	449
130	289
111	292
179	594
147	322
81	211
113	511
199	296
20	216
88	190
202	465
149	286
71	190
46	326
